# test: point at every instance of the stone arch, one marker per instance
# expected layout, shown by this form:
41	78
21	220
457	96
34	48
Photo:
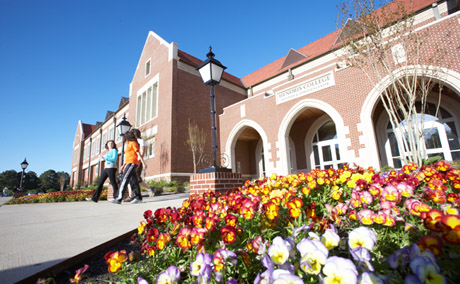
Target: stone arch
290	118
449	78
260	145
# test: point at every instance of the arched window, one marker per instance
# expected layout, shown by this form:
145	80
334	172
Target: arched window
440	137
325	146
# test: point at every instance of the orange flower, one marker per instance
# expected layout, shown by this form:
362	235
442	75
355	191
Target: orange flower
115	260
162	240
271	210
247	209
305	190
451	231
140	229
228	234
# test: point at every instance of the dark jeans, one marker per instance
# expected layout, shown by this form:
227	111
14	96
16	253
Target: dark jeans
129	175
106	173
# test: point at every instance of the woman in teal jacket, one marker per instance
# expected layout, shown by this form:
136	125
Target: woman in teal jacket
109	171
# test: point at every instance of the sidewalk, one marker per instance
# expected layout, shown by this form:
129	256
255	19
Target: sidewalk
34	237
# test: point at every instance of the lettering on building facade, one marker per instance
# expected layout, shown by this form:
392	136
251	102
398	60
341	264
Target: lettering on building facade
319	83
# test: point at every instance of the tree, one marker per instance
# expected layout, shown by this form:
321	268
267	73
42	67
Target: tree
386	46
63	179
10	179
49	180
30	180
196	140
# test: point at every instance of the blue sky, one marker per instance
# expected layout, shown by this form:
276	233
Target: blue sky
67	60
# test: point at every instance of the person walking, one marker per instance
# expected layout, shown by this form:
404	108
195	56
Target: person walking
108	172
141	169
129	170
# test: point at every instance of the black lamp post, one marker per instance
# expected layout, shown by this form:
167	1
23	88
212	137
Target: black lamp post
24	167
211	71
123	127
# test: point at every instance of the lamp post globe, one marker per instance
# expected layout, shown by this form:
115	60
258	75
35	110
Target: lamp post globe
24	165
123	127
211	71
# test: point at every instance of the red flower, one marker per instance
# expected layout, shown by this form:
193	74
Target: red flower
231	220
228	234
432	219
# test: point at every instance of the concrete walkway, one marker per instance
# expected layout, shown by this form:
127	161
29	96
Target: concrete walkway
34	237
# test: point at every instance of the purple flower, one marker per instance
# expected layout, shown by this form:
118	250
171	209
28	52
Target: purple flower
401	257
232	281
284	276
171	275
200	263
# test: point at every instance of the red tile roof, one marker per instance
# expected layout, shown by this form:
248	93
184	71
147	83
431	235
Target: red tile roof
88	129
183	56
320	46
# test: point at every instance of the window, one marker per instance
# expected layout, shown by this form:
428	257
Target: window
147	105
118	137
85	153
440	137
149	148
147	68
93	148
326	153
111	133
104	139
98	145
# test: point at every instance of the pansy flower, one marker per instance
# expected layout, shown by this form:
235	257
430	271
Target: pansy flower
170	276
339	270
313	255
278	251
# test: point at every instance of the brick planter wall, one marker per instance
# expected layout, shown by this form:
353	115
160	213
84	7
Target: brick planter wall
217	181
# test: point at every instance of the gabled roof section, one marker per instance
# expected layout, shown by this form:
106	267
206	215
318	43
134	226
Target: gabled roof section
108	115
349	29
293	57
195	62
123	101
98	124
88	129
323	45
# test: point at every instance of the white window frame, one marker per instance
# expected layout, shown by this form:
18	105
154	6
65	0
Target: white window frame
147	106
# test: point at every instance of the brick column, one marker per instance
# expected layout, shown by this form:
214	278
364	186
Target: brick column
214	181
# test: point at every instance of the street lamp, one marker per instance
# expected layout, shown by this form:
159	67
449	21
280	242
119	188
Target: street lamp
24	167
123	127
211	71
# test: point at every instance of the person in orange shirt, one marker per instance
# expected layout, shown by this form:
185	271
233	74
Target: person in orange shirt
129	170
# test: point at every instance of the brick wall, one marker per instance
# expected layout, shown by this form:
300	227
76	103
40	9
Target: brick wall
200	183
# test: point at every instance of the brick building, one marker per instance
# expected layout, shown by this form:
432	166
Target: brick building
303	111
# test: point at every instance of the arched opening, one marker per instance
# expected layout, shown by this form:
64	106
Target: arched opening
249	157
313	142
439	125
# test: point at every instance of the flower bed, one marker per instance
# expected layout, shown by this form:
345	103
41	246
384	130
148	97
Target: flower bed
59	196
337	226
